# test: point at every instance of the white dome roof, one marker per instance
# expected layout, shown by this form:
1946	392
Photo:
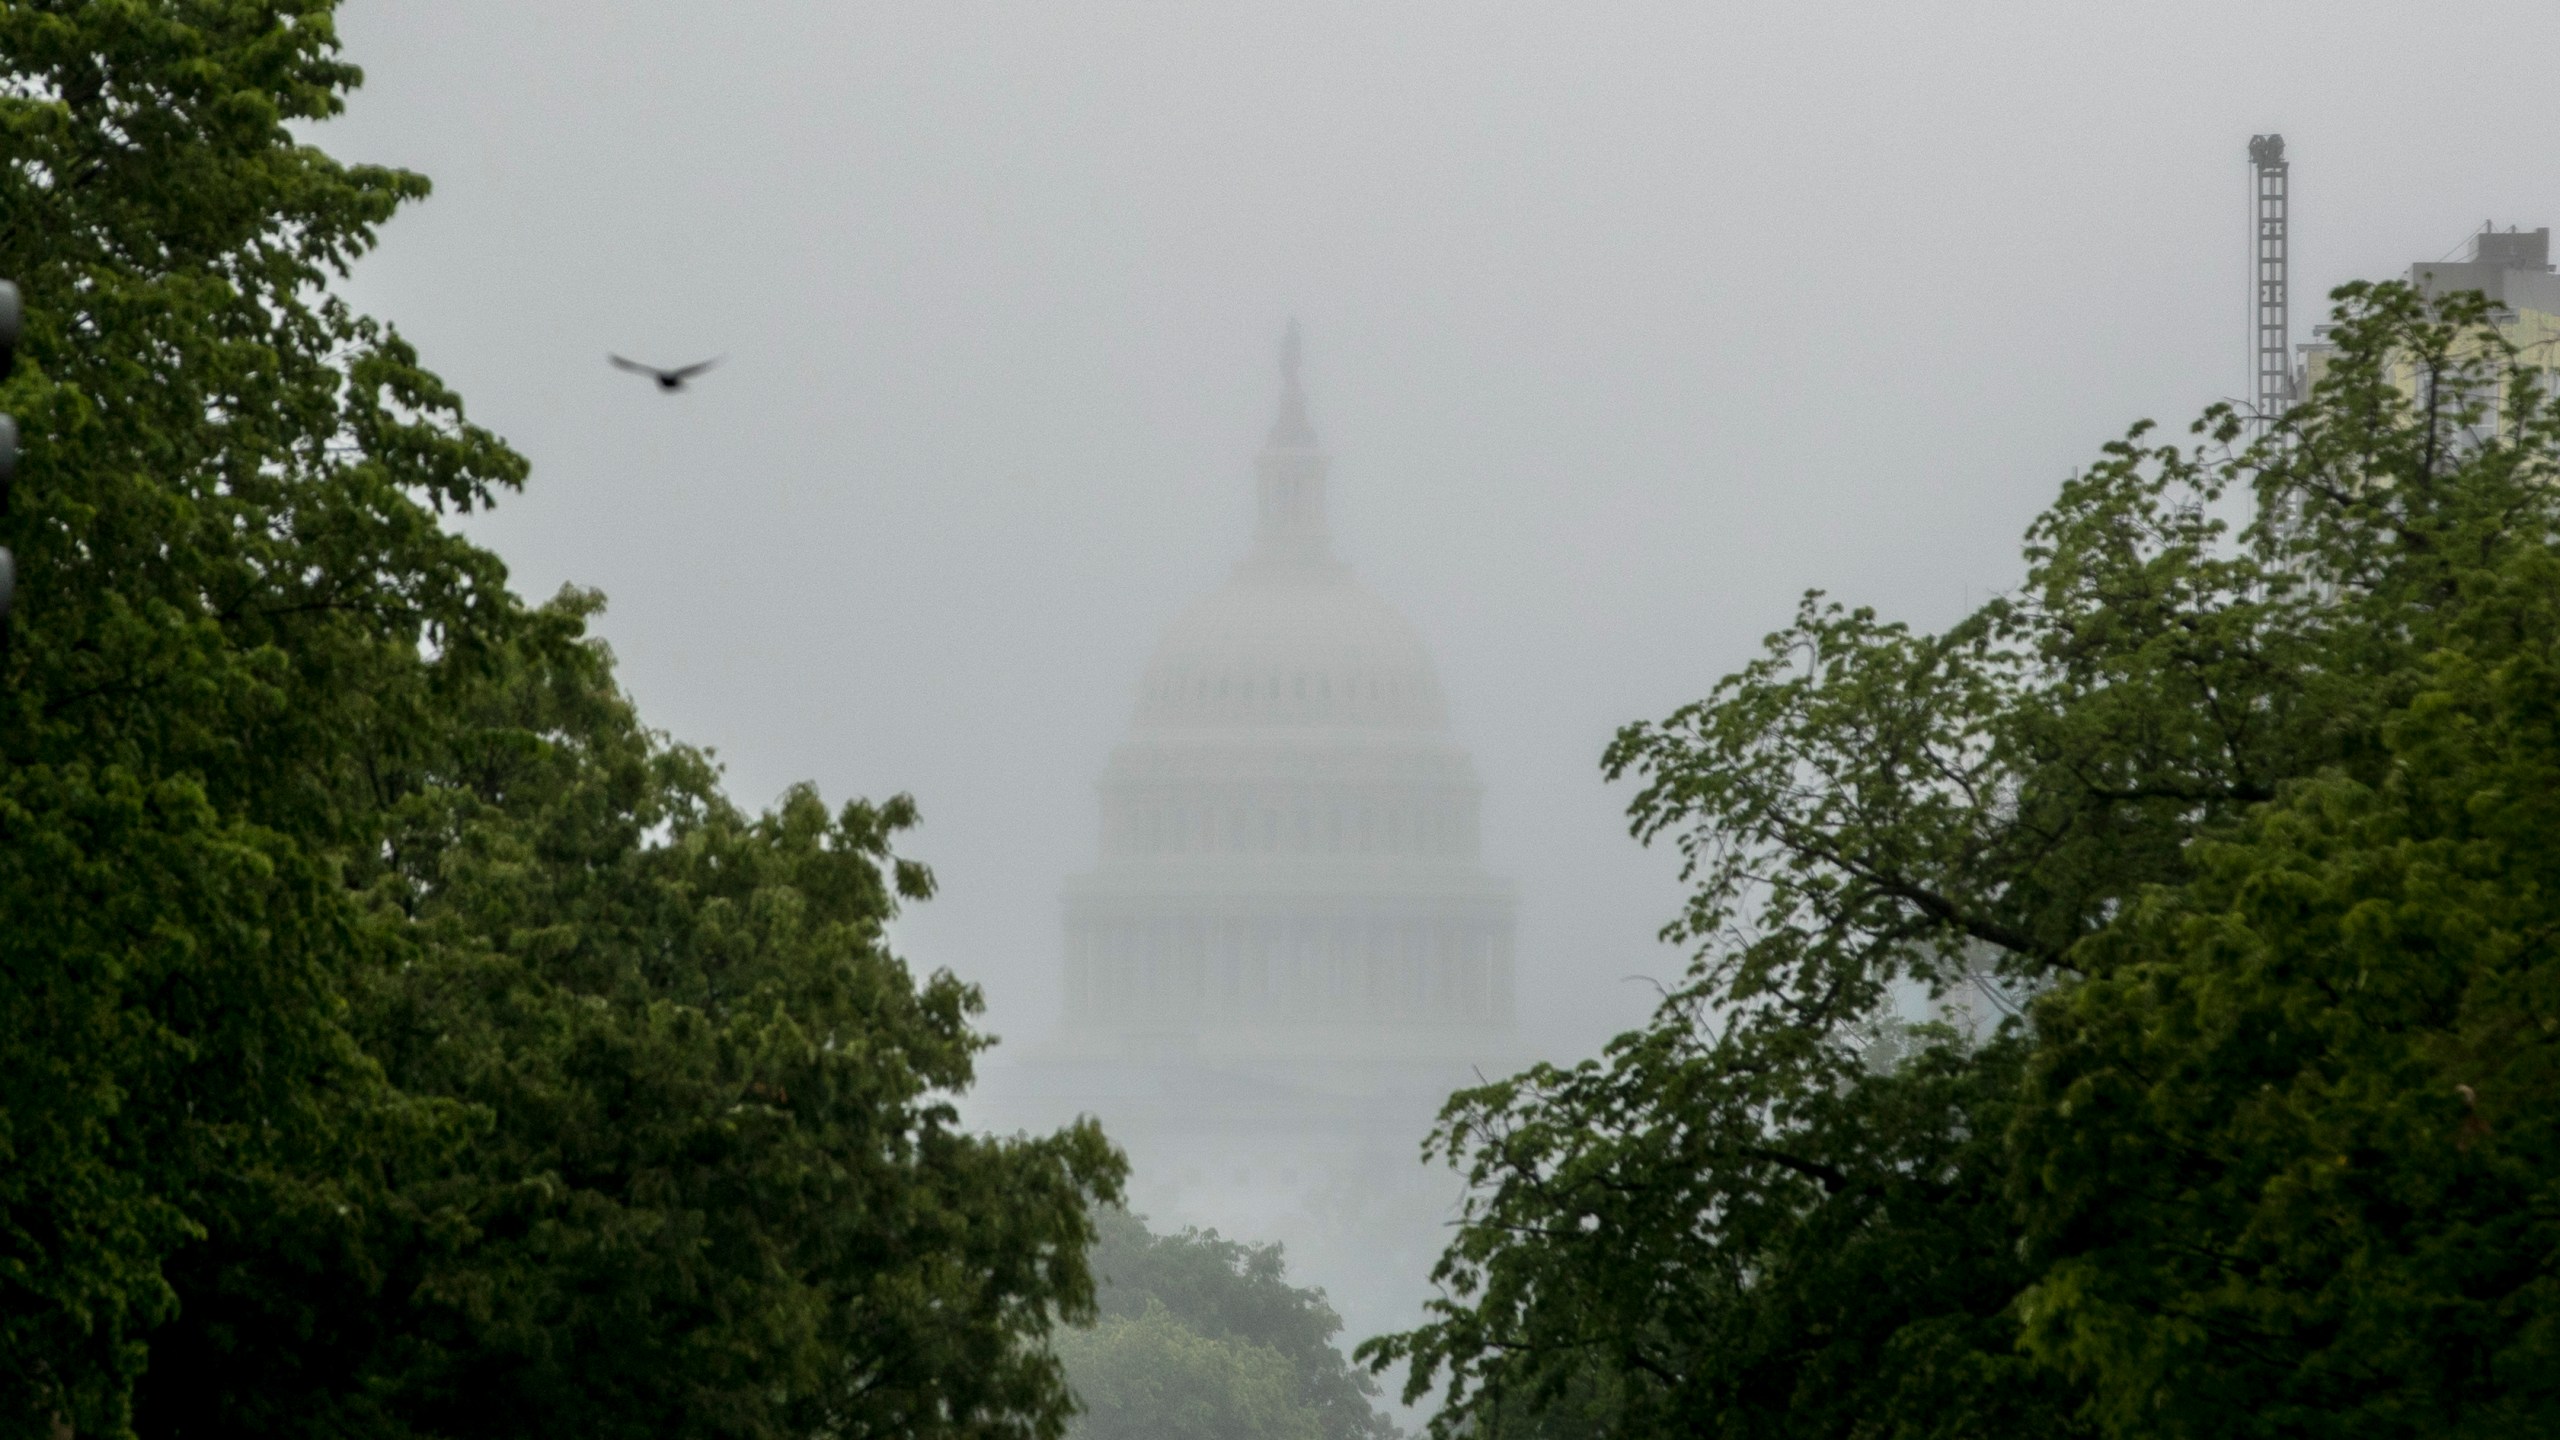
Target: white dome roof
1287	644
1292	640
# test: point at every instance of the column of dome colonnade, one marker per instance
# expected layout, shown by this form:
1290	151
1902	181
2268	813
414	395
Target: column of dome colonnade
1289	856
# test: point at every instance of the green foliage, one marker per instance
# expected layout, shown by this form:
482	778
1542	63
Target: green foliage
2201	799
1711	1233
716	1186
2287	1159
2293	1161
1150	1375
1203	1336
396	1037
229	561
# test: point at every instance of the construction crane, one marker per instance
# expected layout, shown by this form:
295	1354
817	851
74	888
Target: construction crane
2273	307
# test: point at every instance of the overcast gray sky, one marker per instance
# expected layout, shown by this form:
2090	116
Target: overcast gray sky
1625	323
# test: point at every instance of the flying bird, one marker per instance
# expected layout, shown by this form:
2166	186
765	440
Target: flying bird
667	379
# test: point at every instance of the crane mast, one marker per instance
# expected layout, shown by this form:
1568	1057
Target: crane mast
2272	300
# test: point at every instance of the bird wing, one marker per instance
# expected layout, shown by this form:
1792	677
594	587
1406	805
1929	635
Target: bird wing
689	371
634	366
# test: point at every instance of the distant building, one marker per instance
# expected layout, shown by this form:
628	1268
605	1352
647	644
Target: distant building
2512	268
1289	848
1288	952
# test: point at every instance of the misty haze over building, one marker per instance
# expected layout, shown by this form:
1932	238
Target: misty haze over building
1289	950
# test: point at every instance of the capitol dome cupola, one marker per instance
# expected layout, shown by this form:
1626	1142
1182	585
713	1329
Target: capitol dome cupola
1292	473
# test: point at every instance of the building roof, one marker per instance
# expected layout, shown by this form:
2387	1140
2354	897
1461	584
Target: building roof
1293	639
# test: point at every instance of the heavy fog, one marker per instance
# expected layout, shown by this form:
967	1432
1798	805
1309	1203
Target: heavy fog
1623	326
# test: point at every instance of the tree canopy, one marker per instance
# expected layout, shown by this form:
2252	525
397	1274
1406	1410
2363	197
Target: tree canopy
396	1036
2237	804
1203	1336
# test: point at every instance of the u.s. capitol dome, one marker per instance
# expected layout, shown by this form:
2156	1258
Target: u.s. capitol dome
1289	860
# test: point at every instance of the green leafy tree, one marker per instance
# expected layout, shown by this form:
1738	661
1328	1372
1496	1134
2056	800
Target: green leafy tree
715	1185
1204	1336
1687	1240
225	525
1148	1375
395	1037
1743	1220
2290	1153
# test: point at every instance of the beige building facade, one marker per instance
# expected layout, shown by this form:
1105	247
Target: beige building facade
2512	268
